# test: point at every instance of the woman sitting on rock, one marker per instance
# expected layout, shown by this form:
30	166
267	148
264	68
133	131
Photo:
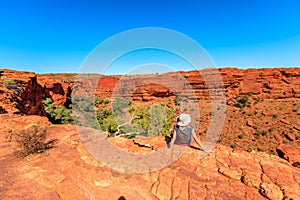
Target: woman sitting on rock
183	134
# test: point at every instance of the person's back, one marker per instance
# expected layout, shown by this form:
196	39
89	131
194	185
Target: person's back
183	134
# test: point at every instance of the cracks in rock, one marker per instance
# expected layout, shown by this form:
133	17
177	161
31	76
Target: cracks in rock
172	184
157	180
246	194
294	178
189	190
261	190
77	184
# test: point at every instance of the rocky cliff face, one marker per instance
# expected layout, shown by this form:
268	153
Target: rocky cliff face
29	89
266	83
21	93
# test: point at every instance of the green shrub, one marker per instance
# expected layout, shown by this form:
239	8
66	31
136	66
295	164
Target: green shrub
103	113
120	106
57	114
271	130
240	136
259	149
109	124
275	116
264	133
242	102
98	101
141	117
9	83
83	103
32	140
233	146
177	102
158	120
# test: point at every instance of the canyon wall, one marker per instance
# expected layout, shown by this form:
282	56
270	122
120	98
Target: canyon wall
22	92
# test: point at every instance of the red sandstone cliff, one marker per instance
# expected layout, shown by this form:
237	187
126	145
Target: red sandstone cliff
277	83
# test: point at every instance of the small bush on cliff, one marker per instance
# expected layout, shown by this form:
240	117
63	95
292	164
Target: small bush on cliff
177	102
242	101
9	83
31	140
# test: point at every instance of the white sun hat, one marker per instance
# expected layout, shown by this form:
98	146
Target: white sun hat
183	119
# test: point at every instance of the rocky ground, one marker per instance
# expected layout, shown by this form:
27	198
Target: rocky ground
69	171
256	156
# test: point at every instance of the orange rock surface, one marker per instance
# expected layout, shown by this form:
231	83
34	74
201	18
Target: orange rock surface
69	171
260	132
277	83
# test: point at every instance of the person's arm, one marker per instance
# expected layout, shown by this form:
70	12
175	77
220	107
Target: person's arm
196	138
173	138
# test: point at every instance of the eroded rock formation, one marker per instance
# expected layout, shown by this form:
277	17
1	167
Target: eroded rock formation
30	89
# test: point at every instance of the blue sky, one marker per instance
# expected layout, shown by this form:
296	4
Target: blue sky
56	36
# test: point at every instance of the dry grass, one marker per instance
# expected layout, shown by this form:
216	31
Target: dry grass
31	140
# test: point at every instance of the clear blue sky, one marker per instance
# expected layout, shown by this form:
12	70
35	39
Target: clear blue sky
56	36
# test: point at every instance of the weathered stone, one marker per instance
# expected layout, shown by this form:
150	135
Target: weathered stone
271	191
70	172
288	152
290	136
278	138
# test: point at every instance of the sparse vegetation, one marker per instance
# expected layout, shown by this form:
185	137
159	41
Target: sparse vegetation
98	101
264	133
242	101
57	114
275	116
177	102
31	140
271	130
259	149
9	83
241	136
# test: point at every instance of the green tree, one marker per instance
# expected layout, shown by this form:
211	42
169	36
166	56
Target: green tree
141	117
57	114
109	124
120	106
158	120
